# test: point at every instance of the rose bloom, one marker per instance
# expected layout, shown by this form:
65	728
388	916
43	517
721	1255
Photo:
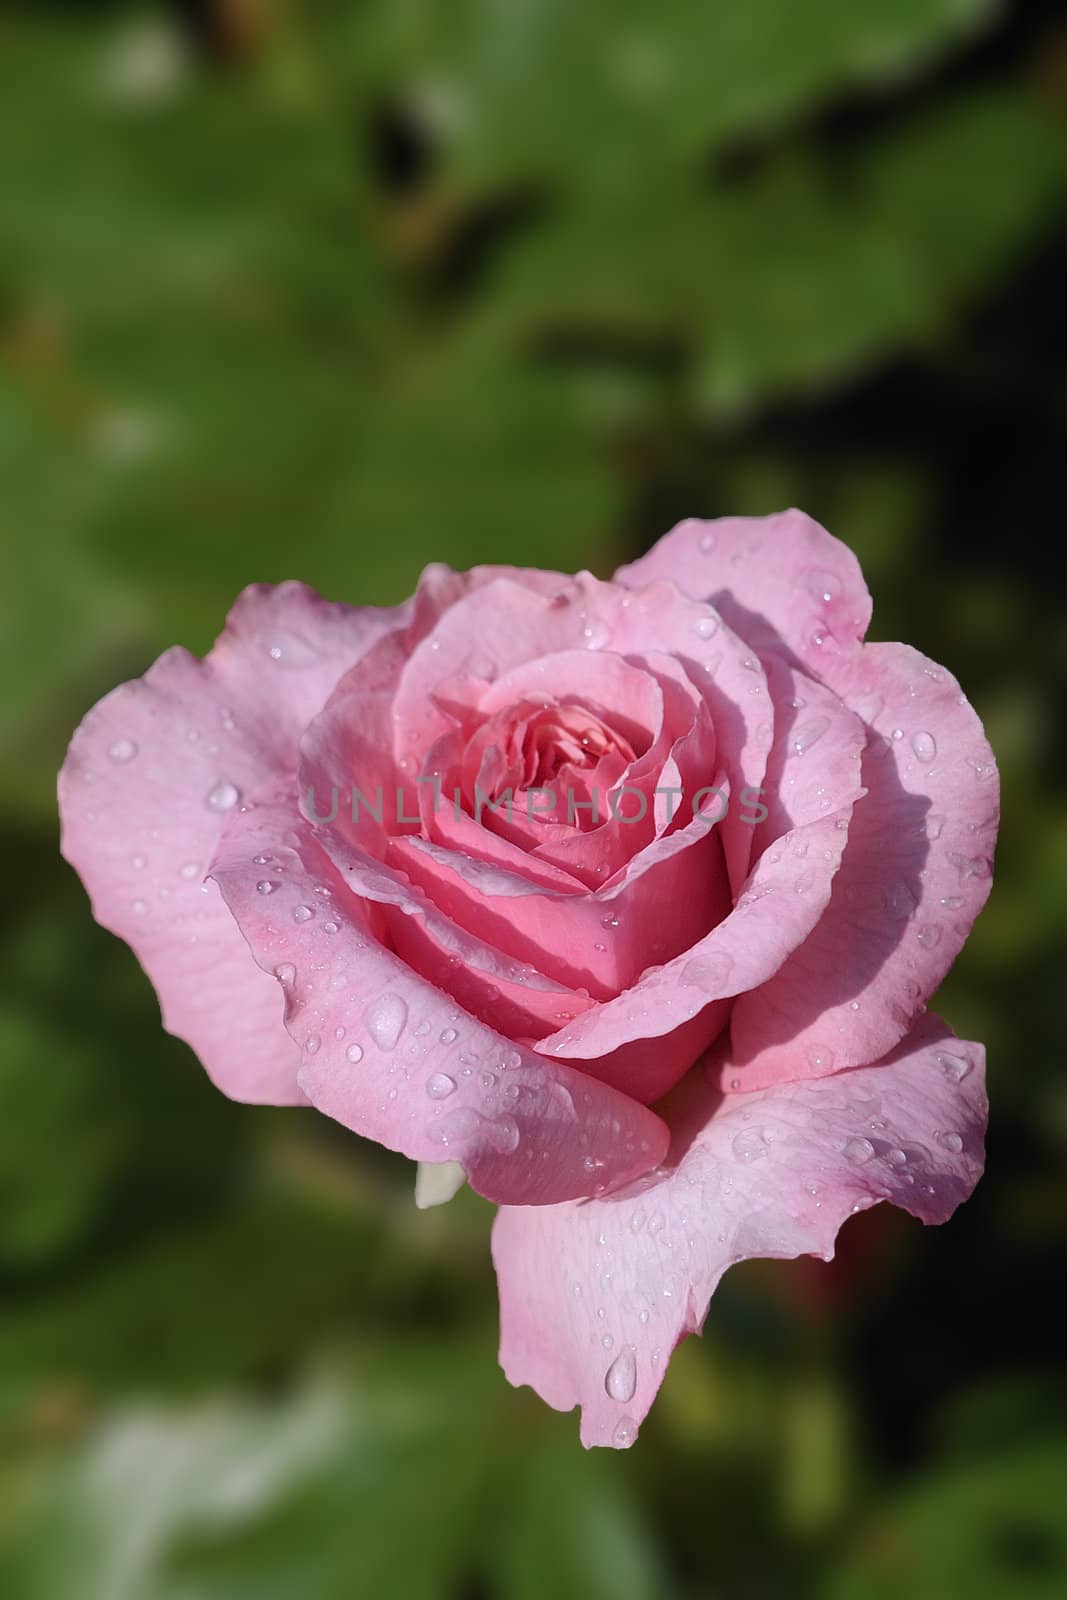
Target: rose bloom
622	899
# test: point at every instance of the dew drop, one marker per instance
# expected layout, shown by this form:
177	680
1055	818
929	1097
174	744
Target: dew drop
311	1044
223	797
625	1433
823	585
440	1086
385	1019
706	627
302	913
924	745
264	886
808	734
285	973
858	1151
950	1141
189	869
955	1068
749	1145
620	1380
929	935
899	901
122	750
820	1057
449	1035
504	1135
707	971
455	1127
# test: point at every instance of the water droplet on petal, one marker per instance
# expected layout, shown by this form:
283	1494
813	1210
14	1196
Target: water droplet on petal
385	1019
625	1433
924	745
620	1380
750	1145
823	585
311	1044
820	1057
223	797
456	1127
285	973
808	734
955	1068
504	1134
449	1035
950	1141
440	1086
929	935
122	750
899	901
858	1151
302	913
264	886
706	627
708	971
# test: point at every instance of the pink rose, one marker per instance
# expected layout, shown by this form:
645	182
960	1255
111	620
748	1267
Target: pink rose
625	896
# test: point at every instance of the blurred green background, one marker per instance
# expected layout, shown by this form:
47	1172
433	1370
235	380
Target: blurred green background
324	289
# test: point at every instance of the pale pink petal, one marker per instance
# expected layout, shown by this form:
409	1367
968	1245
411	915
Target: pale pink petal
397	1060
781	582
916	872
150	777
595	1296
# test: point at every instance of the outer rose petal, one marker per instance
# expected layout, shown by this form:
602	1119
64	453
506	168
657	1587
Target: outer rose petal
149	778
780	581
915	874
395	1059
594	1297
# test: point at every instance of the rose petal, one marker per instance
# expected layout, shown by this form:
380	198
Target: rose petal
915	874
594	1297
781	582
786	895
150	777
395	1059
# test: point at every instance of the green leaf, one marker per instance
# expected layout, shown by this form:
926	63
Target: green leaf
580	93
993	1530
372	1483
575	1527
810	269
